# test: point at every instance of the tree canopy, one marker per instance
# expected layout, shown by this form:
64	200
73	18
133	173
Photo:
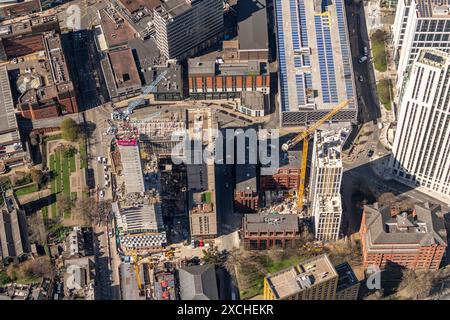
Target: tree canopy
70	129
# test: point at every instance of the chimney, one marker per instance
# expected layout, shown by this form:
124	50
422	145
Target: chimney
395	210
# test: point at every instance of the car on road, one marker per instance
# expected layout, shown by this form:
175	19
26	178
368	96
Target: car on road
102	193
362	59
370	153
360	78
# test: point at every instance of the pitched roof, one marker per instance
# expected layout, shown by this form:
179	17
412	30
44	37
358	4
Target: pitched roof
426	229
198	283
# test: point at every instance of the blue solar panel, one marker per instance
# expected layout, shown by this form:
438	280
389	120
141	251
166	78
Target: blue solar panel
302	15
345	49
300	86
297	62
294	25
282	57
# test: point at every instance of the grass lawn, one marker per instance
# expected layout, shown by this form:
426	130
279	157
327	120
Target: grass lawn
65	176
44	211
72	164
83	154
384	90
26	190
254	278
379	50
53	137
58	172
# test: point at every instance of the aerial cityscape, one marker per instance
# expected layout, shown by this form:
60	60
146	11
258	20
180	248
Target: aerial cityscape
225	150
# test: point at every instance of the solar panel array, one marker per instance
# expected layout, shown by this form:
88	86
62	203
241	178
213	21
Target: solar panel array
293	19
294	25
345	49
326	61
282	57
300	86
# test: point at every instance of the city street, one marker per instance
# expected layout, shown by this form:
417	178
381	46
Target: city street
366	90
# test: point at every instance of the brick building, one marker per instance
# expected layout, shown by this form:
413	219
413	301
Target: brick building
266	231
416	240
287	176
246	197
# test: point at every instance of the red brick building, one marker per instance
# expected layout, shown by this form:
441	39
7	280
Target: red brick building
246	196
415	240
265	231
287	176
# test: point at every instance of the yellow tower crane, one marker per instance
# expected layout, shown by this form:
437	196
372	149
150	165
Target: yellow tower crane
304	135
134	255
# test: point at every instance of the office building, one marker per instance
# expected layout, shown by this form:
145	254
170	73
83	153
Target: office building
10	139
183	27
419	24
201	176
315	62
421	151
326	177
13	229
210	79
132	165
267	231
314	279
252	40
348	284
414	239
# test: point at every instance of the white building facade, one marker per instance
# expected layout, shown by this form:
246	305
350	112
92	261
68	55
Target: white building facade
421	151
419	24
326	178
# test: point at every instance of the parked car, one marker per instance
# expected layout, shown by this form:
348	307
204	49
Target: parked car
102	193
360	78
104	160
370	153
362	59
366	51
99	159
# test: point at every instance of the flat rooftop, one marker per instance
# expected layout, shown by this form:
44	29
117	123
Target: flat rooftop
8	119
252	25
298	278
260	222
135	5
314	56
347	277
175	7
329	147
432	8
434	58
124	68
115	29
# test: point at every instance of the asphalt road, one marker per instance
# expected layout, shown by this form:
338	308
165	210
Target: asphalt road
369	105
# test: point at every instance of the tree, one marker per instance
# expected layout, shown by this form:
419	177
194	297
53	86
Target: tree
69	151
213	256
34	138
86	209
37	176
70	129
36	229
64	203
387	199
